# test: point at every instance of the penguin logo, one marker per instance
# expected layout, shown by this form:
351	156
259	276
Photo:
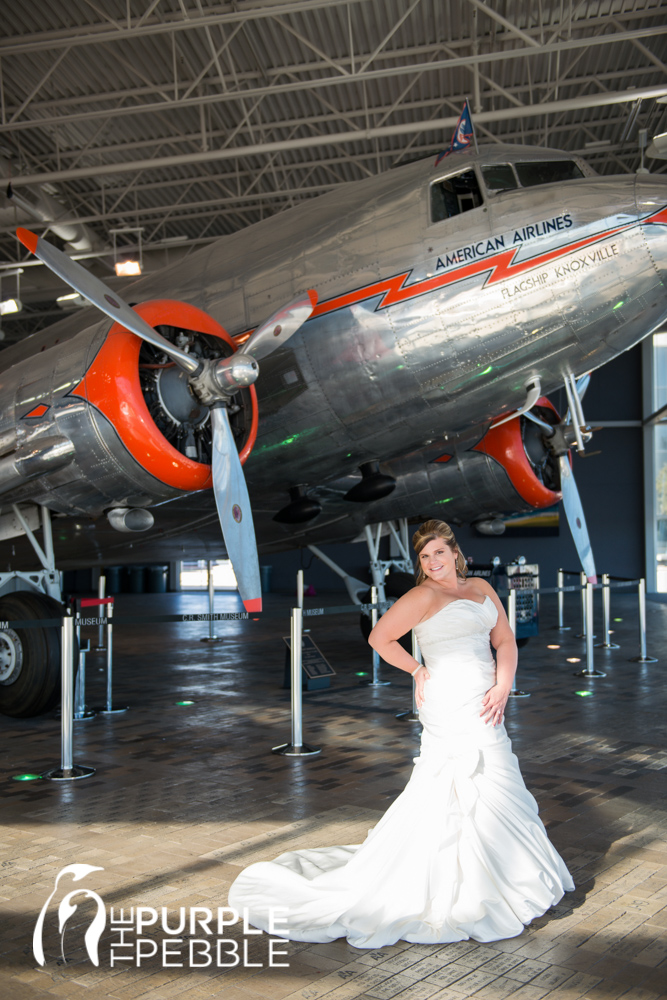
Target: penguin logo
68	909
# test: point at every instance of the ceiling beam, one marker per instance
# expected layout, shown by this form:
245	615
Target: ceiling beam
342	138
378	112
315	83
99	34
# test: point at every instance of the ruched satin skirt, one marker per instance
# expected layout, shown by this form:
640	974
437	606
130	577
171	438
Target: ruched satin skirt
461	853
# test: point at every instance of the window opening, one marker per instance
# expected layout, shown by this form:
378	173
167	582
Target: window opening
499	177
194	574
547	172
455	195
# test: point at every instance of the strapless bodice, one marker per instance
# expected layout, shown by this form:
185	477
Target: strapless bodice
457	654
463	625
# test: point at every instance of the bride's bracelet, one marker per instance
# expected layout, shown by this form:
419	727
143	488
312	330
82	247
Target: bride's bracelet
416	669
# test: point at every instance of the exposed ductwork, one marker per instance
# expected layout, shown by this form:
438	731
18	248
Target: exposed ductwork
38	205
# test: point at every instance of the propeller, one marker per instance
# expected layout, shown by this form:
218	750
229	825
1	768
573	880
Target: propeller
559	439
214	383
575	517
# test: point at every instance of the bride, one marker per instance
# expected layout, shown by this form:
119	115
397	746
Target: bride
461	853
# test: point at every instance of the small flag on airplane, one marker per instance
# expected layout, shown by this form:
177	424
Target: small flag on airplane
464	134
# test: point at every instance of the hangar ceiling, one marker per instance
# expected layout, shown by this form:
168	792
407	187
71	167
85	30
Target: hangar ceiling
185	120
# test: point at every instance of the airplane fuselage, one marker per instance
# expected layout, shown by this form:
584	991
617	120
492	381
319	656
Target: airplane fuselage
427	328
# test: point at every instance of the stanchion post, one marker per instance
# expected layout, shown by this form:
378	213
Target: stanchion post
297	748
80	710
109	705
590	670
296	631
374	621
67	695
109	709
211	637
643	655
67	771
511	617
582	582
376	682
101	593
562	627
606	617
413	714
299	588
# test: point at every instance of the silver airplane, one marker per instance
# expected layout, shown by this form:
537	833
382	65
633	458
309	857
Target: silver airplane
429	312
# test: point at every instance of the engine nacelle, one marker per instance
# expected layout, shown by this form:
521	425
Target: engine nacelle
138	434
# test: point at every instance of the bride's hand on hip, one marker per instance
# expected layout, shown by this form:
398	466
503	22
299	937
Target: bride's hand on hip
420	679
493	705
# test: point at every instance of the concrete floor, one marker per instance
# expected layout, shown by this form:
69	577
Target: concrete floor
185	796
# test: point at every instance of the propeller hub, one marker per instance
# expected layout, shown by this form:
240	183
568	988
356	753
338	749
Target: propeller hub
236	372
220	379
557	443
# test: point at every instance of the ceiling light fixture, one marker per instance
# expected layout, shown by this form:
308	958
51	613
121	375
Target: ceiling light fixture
657	148
10	306
125	261
73	300
127	268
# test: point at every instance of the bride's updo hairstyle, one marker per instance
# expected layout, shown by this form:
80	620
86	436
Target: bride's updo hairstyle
428	532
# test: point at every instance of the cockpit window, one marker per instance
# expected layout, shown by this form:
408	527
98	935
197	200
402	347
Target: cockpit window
454	195
499	177
547	172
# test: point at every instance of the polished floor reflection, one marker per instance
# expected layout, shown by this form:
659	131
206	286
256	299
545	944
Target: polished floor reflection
187	792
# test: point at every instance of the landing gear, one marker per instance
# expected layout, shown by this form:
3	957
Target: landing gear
392	577
29	657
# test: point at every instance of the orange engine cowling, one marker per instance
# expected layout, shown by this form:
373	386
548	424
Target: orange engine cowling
147	398
518	446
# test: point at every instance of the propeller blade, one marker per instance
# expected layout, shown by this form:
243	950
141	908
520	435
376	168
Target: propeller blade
100	295
575	518
233	503
279	328
582	385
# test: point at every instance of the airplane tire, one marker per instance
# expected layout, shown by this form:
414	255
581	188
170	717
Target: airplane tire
29	657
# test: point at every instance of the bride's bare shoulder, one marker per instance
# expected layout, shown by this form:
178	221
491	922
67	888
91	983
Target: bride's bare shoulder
420	599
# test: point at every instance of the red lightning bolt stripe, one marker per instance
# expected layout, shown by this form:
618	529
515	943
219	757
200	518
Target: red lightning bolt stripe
499	266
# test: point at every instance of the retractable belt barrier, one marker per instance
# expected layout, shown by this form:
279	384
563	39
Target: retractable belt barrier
246	616
91	602
296	747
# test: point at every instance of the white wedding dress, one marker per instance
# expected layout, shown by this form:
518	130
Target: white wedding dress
461	853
